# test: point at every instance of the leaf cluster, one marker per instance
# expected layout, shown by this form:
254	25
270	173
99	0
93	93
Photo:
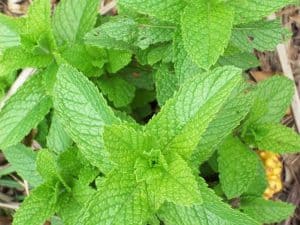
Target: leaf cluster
105	158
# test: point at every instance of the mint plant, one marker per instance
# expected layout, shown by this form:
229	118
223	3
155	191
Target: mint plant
105	158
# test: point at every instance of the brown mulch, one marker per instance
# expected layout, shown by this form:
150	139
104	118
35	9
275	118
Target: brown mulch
270	65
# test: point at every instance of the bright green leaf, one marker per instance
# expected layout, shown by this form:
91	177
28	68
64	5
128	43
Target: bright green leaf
37	207
276	138
83	112
124	144
117	90
23	111
236	164
213	211
57	140
266	211
23	160
272	99
252	10
186	116
166	84
118	33
202	22
9	36
73	19
117	60
176	184
260	35
233	111
168	10
119	200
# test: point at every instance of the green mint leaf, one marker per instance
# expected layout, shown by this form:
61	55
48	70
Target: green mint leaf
234	56
117	90
57	140
23	111
166	84
236	164
9	37
70	164
23	160
233	111
117	60
261	35
272	98
68	209
184	118
119	200
175	183
37	24
46	165
169	10
265	211
127	34
132	150
213	211
37	207
154	32
183	64
76	171
276	138
89	60
124	144
118	33
260	182
48	168
18	58
156	54
73	19
253	10
83	112
201	22
71	204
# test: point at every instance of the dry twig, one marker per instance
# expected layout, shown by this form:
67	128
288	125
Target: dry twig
12	205
24	75
287	71
105	8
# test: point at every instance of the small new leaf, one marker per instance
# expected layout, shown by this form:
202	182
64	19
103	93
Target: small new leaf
175	184
124	144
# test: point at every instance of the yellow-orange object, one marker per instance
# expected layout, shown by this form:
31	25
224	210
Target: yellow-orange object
273	168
